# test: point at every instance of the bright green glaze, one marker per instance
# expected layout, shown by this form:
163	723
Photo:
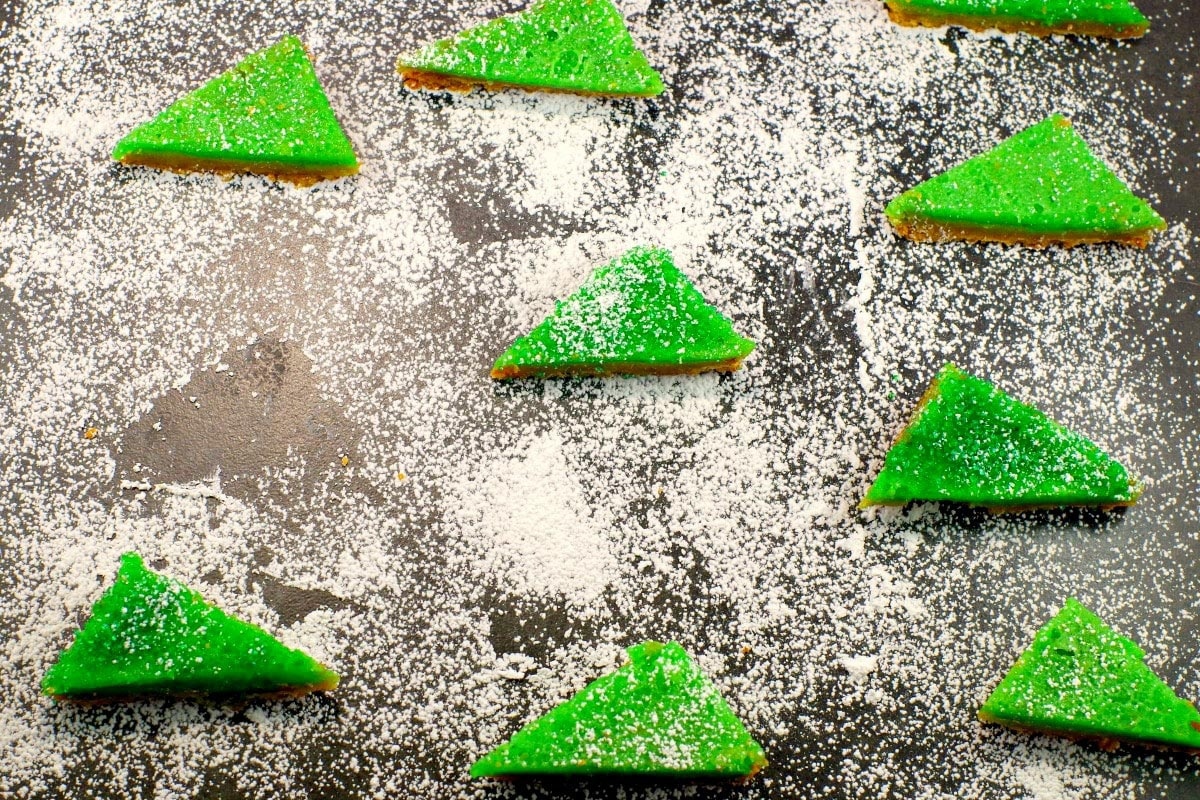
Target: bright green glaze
1043	180
568	45
151	635
636	311
970	442
1079	677
658	715
269	109
1119	14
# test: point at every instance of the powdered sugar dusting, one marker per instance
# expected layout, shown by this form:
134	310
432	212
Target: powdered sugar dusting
528	513
467	554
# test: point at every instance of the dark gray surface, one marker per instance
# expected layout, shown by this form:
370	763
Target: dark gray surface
810	333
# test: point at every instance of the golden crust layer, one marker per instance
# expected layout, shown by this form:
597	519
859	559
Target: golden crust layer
289	693
417	79
513	371
226	168
998	510
932	19
922	230
1106	743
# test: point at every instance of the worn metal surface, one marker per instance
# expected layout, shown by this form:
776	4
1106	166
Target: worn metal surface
268	409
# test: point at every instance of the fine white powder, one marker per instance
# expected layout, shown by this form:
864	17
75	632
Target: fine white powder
527	512
484	550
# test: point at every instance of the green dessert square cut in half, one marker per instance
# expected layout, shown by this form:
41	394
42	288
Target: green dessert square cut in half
637	314
1039	187
578	46
658	716
970	442
267	116
150	635
1082	680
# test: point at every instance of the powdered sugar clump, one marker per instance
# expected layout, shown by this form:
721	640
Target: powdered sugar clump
527	512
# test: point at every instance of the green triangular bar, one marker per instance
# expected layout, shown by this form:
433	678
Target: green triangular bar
969	442
656	716
579	46
1082	680
1114	18
637	314
268	115
150	635
1039	187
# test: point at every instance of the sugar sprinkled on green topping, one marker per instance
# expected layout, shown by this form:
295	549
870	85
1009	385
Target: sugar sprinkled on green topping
568	45
269	111
1041	181
1079	677
636	313
969	442
657	715
1120	15
699	499
151	635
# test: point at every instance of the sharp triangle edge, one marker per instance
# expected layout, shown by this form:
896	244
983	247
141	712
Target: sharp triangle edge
1040	186
1079	678
970	442
267	115
636	314
580	46
149	635
656	716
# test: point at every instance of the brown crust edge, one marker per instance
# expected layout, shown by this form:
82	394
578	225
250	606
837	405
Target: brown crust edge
930	392
1108	744
733	780
228	168
288	693
911	18
509	372
921	230
998	510
419	79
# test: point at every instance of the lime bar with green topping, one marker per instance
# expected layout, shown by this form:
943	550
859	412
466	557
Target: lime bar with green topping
268	115
1040	187
1118	19
657	716
579	46
150	635
1082	680
638	314
969	442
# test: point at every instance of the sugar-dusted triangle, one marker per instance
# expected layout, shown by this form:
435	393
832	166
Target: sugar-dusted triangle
1082	680
579	46
1118	19
150	635
1040	187
969	442
656	716
268	115
637	314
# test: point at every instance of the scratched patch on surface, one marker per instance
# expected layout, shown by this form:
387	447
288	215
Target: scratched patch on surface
249	416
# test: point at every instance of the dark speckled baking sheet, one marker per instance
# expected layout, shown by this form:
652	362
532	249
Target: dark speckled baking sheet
214	420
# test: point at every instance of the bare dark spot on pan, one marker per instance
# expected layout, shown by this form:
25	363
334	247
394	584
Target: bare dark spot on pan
292	603
262	413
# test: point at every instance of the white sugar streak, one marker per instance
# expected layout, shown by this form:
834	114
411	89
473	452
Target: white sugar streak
527	513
